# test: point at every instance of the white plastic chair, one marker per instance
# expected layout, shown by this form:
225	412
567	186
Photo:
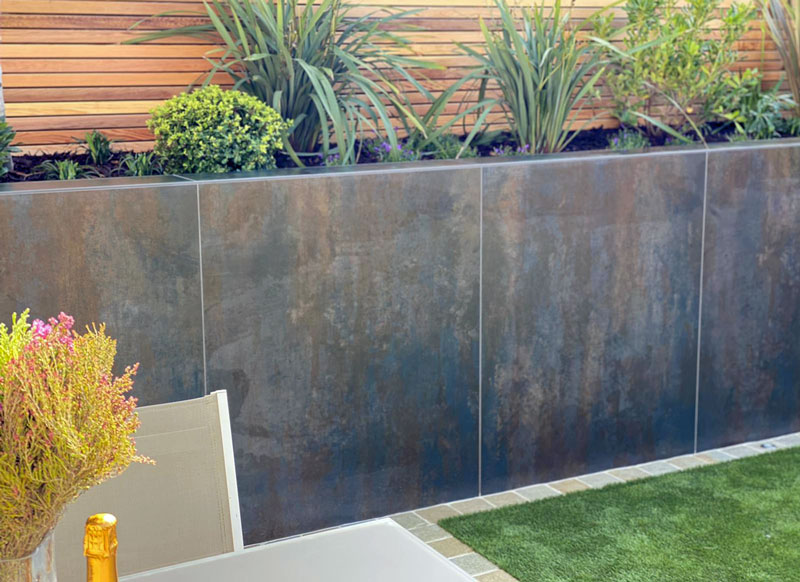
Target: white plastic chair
183	508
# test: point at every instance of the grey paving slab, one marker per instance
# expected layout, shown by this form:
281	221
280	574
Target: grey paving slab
504	499
767	445
434	514
687	462
599	480
350	554
474	564
409	520
716	455
472	505
430	533
629	473
658	468
569	486
792	440
536	492
741	451
450	547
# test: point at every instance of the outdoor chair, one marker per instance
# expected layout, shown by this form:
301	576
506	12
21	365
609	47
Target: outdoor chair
184	507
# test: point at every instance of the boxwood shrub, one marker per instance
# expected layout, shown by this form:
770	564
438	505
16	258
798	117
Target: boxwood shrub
216	131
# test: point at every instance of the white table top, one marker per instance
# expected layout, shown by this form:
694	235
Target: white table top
374	551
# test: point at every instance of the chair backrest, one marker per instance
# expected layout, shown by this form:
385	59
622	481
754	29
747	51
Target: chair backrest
184	507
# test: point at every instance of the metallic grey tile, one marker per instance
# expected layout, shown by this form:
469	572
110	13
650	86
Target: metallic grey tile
342	317
590	287
128	257
750	360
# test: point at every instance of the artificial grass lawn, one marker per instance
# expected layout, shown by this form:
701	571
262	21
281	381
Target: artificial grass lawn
732	522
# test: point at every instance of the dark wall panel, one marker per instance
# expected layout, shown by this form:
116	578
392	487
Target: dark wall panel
126	257
590	294
750	358
342	317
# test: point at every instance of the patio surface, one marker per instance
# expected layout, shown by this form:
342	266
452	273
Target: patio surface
365	552
422	522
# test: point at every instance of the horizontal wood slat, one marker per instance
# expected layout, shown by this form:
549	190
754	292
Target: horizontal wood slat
66	72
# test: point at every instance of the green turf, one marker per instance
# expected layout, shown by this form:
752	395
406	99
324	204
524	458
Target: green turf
731	522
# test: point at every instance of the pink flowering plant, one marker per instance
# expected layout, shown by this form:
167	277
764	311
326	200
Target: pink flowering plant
66	424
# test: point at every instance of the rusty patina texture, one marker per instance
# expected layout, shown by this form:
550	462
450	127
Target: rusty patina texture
342	318
750	358
126	257
590	294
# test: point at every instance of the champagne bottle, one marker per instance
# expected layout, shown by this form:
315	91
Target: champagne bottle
100	548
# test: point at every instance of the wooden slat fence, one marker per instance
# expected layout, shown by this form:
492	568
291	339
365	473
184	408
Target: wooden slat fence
65	71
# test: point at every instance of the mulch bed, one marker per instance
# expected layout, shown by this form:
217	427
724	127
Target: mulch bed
25	165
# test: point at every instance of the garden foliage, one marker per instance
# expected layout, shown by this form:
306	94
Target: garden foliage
99	147
65	424
753	112
783	22
672	63
543	69
7	135
334	74
216	131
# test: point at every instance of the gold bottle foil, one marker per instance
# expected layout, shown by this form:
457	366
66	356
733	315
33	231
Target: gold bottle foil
100	548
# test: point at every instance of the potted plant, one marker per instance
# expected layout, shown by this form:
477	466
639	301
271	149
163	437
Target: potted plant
66	424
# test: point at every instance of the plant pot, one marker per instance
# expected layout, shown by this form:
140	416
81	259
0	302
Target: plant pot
39	566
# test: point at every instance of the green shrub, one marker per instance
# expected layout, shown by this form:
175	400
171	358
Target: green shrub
449	147
7	135
672	61
63	170
753	112
330	71
99	147
628	139
141	164
216	131
544	71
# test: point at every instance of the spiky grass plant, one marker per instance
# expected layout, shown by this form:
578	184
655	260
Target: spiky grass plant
335	74
65	424
543	69
783	21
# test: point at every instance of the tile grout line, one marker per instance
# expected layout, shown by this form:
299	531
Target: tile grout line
700	305
480	337
202	292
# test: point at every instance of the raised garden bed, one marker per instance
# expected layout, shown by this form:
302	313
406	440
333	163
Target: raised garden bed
367	320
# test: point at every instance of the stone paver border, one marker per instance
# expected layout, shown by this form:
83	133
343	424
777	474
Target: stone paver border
422	522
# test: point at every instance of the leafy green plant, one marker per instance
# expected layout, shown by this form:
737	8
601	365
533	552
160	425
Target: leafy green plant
449	147
216	131
99	147
7	135
544	70
753	112
333	73
141	164
628	139
783	21
671	62
62	170
65	425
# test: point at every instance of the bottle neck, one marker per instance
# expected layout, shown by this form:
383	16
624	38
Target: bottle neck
100	548
101	569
